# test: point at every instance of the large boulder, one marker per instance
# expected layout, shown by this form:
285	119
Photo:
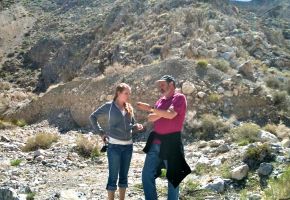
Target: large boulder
265	136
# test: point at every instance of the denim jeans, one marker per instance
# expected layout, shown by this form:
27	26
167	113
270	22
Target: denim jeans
119	158
152	162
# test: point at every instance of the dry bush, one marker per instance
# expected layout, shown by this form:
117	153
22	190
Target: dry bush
246	133
4	124
87	147
41	140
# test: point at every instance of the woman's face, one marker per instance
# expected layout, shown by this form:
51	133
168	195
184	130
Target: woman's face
124	95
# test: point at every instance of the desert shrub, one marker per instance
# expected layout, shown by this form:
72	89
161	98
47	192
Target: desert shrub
272	128
4	103
30	196
5	124
221	64
4	85
278	188
225	171
189	187
197	18
246	133
279	97
15	162
273	82
202	64
213	98
287	86
255	155
201	169
19	122
42	140
87	147
210	126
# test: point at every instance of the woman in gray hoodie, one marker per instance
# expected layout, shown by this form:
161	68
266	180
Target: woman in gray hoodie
118	134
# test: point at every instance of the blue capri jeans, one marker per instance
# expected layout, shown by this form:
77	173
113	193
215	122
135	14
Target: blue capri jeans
119	159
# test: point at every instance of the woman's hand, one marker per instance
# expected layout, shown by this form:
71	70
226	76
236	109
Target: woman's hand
144	106
139	127
105	138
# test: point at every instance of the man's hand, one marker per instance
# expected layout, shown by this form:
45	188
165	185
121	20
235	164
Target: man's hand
153	117
144	106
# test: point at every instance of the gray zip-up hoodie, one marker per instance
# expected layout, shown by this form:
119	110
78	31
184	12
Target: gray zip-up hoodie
119	126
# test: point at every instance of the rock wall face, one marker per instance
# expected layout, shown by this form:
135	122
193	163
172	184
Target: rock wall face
70	104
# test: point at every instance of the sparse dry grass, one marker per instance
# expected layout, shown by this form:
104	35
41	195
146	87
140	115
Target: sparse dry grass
5	124
280	130
220	64
41	140
272	128
4	85
87	147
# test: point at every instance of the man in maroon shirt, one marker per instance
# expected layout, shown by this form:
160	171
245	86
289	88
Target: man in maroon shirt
164	146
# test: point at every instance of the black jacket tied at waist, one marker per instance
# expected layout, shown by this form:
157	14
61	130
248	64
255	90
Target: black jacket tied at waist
171	149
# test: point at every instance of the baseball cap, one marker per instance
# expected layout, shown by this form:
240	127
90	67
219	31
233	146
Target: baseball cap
168	79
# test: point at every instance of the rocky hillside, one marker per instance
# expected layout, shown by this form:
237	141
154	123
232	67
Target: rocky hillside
60	59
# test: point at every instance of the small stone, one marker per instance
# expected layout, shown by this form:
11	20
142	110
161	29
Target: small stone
217	162
211	29
188	88
228	55
265	169
240	172
38	152
202	144
218	185
201	94
223	148
216	143
5	138
10	147
220	90
286	143
39	158
255	197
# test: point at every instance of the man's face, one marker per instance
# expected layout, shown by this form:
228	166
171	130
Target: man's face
164	87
